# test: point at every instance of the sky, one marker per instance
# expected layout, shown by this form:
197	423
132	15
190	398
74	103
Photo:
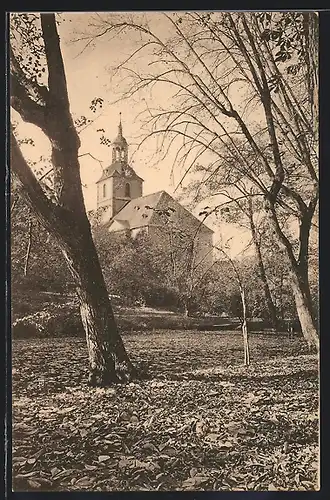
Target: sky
88	76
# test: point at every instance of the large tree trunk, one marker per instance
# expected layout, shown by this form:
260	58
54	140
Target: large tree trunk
269	300
106	350
304	233
302	302
29	245
66	218
73	234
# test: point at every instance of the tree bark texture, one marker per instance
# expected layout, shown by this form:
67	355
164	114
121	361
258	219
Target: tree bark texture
298	284
304	312
105	347
28	249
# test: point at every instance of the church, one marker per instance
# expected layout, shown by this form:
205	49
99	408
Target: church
123	208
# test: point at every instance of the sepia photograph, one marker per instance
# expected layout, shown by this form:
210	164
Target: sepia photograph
164	250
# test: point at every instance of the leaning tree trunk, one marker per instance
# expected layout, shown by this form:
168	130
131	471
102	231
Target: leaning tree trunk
65	218
29	246
302	302
106	350
298	282
72	231
302	263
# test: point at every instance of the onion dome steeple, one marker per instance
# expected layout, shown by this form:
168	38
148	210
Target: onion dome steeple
120	146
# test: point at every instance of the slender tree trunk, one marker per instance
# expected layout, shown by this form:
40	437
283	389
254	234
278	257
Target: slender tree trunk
281	298
269	300
298	284
245	330
186	305
28	250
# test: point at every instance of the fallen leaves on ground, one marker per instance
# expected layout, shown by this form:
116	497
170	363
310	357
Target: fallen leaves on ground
202	421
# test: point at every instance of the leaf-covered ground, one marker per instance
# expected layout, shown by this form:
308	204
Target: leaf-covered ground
201	421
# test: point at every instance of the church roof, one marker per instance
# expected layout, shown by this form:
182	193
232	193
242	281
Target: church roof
118	168
145	211
120	139
136	212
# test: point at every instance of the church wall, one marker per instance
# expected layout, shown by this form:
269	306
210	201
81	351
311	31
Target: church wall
120	198
169	240
116	192
119	187
136	188
118	204
139	231
161	236
204	249
184	223
101	200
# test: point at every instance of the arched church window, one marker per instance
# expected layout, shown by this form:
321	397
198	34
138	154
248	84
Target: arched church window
127	190
104	190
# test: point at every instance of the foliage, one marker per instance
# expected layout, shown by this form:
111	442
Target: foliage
139	271
56	320
145	269
46	269
202	421
129	267
58	317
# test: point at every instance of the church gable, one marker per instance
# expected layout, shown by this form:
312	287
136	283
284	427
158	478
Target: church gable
159	210
169	211
117	169
136	212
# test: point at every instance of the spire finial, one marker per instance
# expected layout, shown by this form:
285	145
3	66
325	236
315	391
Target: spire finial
120	127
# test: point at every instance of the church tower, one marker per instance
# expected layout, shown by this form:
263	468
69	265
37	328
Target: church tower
119	183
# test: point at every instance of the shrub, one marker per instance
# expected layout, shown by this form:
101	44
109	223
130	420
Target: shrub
54	321
32	325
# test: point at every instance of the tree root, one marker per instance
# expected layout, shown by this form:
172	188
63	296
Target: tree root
102	378
122	373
